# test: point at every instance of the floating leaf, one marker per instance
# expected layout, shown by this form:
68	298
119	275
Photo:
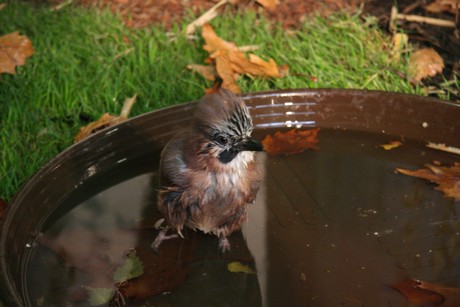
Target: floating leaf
444	147
99	296
132	268
447	178
238	267
391	145
292	142
14	50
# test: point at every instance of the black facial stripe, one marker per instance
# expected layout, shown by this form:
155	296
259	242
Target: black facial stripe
227	155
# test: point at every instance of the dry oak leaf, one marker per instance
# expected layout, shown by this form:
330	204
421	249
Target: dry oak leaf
424	63
230	61
447	178
106	120
292	142
207	72
14	50
440	6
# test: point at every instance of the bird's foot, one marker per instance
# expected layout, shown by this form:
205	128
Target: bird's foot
224	245
160	238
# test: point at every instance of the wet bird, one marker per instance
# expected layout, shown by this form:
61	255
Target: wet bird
210	174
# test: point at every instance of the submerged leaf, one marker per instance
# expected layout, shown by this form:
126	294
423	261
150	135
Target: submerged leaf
391	145
424	293
99	296
447	178
132	268
238	267
292	142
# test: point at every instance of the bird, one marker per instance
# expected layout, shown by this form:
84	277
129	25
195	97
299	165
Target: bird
210	174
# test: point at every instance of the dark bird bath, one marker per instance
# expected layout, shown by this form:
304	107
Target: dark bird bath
330	226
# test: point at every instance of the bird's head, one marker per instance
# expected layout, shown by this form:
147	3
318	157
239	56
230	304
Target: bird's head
224	121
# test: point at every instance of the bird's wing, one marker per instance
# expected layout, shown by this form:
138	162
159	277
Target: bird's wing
174	182
172	163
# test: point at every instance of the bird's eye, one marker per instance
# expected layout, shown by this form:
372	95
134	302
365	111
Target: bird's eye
223	140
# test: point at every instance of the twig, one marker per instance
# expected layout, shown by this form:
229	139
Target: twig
127	105
411	7
415	18
61	5
248	48
123	53
443	147
207	16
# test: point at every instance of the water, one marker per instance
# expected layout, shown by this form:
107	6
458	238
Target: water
331	227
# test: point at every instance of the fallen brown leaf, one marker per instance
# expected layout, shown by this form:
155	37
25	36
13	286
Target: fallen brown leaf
441	6
424	63
399	42
14	50
106	120
230	62
214	42
292	142
268	4
424	293
447	178
208	72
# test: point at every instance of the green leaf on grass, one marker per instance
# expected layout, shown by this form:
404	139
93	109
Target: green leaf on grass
99	296
132	268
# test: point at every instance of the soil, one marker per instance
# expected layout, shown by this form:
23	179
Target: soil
291	13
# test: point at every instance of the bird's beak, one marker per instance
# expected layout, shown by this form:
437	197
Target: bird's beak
250	144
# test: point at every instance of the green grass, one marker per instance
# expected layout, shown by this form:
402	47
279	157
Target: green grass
83	65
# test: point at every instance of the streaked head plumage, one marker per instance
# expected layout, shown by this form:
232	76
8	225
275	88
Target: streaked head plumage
224	119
